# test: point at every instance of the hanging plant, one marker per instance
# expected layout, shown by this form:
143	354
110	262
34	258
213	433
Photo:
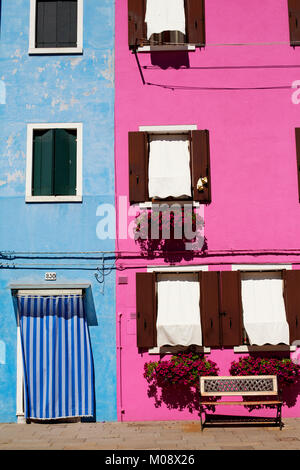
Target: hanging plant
157	225
183	368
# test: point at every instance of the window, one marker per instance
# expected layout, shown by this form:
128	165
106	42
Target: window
165	164
235	308
264	315
56	26
294	22
54	160
169	23
178	293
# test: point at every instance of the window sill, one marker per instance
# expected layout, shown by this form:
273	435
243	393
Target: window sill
166	48
267	347
149	204
55	50
53	199
177	349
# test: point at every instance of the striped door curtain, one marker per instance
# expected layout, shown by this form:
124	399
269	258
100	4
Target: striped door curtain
57	357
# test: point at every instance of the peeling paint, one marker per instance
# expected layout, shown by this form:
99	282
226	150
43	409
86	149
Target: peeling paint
91	92
63	107
10	140
11	177
2	92
75	62
109	72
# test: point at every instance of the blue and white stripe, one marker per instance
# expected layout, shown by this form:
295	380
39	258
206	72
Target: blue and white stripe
57	357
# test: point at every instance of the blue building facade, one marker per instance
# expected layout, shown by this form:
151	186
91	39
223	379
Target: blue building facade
38	236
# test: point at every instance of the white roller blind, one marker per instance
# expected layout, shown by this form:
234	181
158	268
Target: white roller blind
165	15
178	314
263	308
169	166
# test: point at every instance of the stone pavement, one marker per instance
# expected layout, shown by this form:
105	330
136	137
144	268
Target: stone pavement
149	435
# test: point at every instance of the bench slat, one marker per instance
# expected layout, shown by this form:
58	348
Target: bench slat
244	403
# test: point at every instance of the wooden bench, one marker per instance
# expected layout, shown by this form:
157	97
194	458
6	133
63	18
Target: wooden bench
243	386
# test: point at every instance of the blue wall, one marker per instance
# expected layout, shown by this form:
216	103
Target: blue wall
57	88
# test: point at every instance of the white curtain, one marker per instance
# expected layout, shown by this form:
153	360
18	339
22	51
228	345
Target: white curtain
178	315
165	15
263	308
169	166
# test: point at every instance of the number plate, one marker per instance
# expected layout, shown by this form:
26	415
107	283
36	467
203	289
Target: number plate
50	276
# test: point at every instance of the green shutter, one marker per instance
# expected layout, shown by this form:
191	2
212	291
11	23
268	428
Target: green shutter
42	172
65	163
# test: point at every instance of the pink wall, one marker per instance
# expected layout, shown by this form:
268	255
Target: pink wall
246	103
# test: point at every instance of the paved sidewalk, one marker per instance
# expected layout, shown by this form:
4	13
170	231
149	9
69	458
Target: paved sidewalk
149	435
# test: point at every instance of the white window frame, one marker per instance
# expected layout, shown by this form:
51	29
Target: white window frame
20	411
167	47
256	268
55	50
29	162
174	129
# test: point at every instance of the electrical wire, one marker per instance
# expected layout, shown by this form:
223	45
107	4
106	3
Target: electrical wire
154	42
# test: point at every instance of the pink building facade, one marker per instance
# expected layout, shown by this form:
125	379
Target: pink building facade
241	87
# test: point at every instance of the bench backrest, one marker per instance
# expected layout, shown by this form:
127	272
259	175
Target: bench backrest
239	385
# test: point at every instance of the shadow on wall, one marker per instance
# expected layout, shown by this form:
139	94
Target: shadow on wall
179	397
178	237
183	397
172	59
172	251
186	398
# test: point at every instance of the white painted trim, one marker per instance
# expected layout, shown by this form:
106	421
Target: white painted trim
182	269
57	50
167	48
20	381
53	199
166	129
49	285
176	349
149	204
45	292
29	160
266	347
261	267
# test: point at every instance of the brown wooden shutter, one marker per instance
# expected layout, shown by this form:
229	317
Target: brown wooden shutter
292	302
297	132
231	308
209	308
200	164
137	28
146	310
195	22
294	22
138	160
